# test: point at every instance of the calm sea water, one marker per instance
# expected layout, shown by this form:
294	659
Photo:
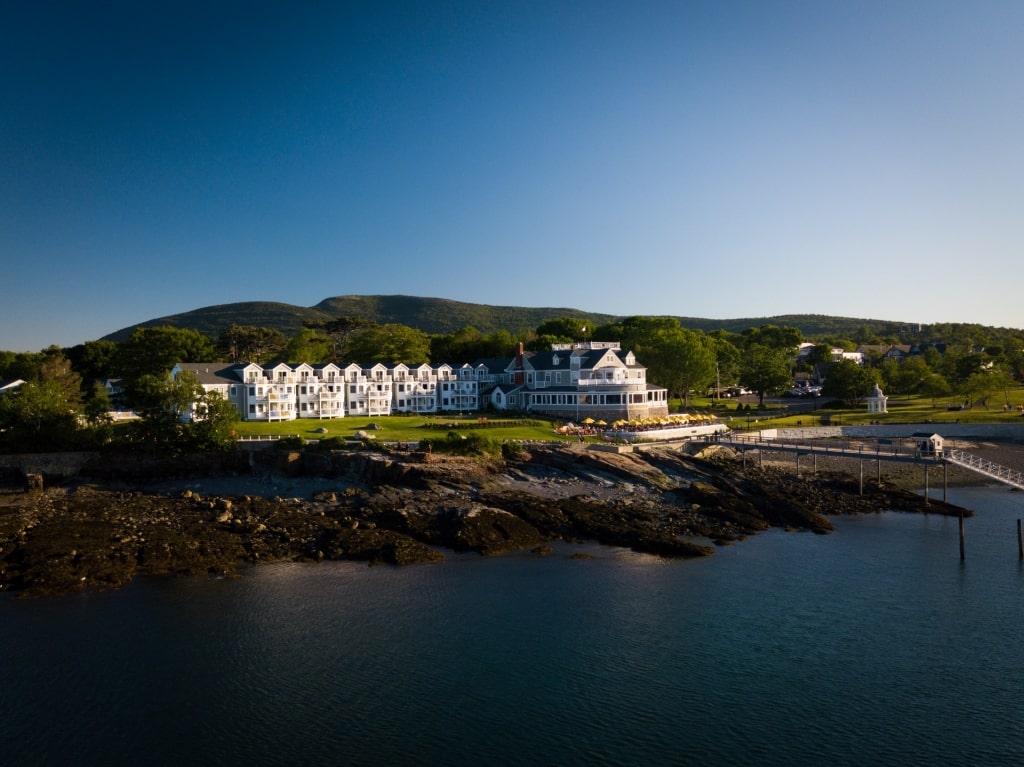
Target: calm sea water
871	646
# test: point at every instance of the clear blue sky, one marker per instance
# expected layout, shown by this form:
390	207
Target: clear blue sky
703	159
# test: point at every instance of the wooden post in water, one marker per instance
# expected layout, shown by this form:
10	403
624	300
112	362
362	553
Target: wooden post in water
878	477
945	481
926	484
814	464
961	535
862	476
797	463
1020	542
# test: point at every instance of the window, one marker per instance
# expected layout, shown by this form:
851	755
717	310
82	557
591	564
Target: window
252	391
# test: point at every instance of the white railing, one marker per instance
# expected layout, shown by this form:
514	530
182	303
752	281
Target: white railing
986	467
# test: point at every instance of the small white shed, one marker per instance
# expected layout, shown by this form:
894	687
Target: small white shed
927	444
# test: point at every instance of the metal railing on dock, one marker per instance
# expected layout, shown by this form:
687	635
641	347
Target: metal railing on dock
986	467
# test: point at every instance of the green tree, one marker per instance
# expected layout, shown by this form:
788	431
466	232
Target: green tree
681	360
176	414
500	343
309	346
981	386
162	404
391	344
98	405
639	333
57	369
935	386
23	365
765	369
100	425
905	377
342	331
819	353
247	343
727	357
848	381
774	337
542	343
212	424
565	329
93	360
154	351
37	417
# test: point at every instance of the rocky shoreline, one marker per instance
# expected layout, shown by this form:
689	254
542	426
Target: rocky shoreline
121	516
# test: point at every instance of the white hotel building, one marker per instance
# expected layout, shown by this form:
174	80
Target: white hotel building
573	381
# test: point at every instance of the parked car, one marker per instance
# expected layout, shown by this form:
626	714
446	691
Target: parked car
802	392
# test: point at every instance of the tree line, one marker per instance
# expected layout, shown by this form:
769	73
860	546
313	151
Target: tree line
63	402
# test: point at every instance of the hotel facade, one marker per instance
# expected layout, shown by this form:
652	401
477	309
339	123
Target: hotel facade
572	381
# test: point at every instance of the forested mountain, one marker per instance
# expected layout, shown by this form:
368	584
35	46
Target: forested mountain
431	315
441	316
211	320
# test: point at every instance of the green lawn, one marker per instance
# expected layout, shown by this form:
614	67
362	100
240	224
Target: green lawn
406	428
901	410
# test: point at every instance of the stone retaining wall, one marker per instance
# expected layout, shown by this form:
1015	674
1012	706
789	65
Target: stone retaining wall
1012	432
61	465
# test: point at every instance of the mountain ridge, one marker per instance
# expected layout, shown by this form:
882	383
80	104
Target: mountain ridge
443	316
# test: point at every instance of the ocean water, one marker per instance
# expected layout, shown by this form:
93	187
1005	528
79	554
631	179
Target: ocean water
872	646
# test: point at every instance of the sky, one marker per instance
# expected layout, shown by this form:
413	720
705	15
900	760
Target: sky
699	159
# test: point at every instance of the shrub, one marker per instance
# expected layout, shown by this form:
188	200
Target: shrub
512	449
460	444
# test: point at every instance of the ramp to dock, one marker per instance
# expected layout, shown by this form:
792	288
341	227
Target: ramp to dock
985	467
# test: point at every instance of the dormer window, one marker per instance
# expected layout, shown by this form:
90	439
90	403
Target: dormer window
555	360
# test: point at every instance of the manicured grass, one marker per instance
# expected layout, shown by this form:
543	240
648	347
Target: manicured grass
405	428
901	410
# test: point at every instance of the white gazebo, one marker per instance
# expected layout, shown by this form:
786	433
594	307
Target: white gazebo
876	401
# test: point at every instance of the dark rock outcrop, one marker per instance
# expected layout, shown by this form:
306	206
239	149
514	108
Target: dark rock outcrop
111	524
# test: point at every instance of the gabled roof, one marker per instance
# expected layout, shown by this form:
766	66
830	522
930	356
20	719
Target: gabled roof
507	389
588	359
547	360
495	364
210	373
